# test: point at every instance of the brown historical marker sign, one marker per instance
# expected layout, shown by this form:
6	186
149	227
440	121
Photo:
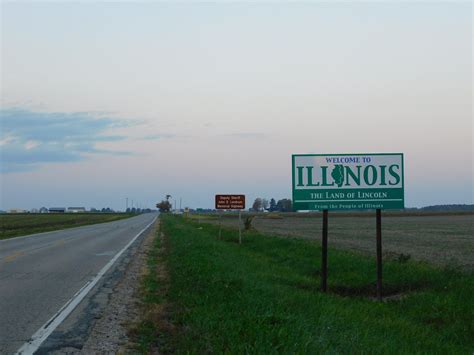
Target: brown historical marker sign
230	202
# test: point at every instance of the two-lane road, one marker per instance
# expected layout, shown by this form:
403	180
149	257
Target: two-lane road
39	274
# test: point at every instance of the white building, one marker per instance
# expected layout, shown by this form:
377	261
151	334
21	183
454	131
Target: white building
76	209
17	210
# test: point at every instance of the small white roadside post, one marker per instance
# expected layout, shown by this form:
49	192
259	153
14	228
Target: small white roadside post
240	226
220	225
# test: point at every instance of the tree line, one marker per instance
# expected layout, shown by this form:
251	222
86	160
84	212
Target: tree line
262	204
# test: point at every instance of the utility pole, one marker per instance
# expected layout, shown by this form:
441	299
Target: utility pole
126	204
180	200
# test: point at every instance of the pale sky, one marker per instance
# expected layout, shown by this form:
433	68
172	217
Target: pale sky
103	101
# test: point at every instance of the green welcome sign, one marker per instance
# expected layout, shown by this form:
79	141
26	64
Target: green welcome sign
348	181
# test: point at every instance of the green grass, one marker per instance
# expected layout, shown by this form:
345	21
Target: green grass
442	240
263	297
146	332
14	225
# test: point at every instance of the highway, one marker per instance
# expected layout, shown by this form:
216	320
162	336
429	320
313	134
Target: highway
42	273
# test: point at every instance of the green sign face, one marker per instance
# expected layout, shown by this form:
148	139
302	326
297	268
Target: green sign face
348	181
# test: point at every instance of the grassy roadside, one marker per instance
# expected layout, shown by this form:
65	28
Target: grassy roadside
262	297
441	240
15	225
148	334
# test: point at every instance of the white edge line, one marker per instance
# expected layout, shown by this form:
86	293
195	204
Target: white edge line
42	334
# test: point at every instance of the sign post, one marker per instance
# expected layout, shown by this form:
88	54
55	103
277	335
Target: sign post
220	225
240	226
231	202
326	182
324	256
379	252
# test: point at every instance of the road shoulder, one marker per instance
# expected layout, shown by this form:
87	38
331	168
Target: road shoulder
110	333
100	324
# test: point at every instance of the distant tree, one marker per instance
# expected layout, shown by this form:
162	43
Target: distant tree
284	205
164	206
257	204
128	210
265	204
273	205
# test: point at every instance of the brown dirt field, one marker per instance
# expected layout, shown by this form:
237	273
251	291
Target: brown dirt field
446	240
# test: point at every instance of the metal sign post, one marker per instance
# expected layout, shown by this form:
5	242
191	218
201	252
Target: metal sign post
240	227
379	252
324	255
220	225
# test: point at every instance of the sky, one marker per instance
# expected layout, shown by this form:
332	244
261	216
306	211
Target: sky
104	101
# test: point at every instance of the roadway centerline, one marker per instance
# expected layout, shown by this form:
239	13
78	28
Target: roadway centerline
24	252
12	257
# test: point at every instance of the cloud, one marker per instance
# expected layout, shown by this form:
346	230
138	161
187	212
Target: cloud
245	135
29	139
158	137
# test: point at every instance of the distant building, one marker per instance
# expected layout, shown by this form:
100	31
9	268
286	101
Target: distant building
43	210
34	210
57	209
76	209
17	210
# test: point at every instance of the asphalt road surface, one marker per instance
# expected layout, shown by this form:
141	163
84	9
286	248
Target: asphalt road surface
40	274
